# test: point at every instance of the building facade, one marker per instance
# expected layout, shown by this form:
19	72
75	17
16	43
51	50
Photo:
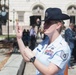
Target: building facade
28	11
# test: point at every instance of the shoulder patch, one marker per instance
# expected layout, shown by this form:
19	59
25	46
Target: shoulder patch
64	55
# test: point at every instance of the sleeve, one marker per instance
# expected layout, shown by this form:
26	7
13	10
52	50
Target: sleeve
41	46
37	49
60	59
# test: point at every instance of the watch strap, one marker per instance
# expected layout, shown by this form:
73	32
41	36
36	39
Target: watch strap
32	59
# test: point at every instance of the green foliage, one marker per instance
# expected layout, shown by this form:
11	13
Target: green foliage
6	36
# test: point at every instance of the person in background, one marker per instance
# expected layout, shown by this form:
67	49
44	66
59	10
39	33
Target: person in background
74	50
69	38
32	37
52	54
24	37
38	22
28	37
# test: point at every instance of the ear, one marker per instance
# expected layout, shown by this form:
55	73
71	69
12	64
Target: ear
58	25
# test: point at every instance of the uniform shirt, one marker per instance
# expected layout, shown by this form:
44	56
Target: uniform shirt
58	53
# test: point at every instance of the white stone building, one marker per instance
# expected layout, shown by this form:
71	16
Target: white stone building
21	10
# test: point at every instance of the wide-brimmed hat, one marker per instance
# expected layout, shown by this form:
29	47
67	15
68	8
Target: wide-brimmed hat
55	14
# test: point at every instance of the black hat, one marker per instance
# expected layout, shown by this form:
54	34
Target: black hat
55	14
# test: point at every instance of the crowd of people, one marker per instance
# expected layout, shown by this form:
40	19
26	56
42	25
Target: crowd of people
30	37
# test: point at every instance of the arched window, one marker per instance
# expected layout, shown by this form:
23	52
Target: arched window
72	12
38	10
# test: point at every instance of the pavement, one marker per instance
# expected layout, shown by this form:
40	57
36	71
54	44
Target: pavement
29	69
2	54
12	66
72	71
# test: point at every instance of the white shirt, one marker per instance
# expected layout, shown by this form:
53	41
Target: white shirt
58	52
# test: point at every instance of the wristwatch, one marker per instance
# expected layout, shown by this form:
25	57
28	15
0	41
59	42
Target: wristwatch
32	59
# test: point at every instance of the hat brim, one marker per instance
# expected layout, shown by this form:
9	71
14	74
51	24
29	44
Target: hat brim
57	17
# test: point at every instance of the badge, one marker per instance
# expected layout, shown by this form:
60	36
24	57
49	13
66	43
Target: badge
38	50
64	55
48	52
46	14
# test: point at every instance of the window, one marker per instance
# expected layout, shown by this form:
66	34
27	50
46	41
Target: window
72	12
21	16
38	10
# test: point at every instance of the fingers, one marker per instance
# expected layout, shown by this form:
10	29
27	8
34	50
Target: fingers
18	31
17	27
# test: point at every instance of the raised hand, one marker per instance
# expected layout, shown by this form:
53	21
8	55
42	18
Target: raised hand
18	31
